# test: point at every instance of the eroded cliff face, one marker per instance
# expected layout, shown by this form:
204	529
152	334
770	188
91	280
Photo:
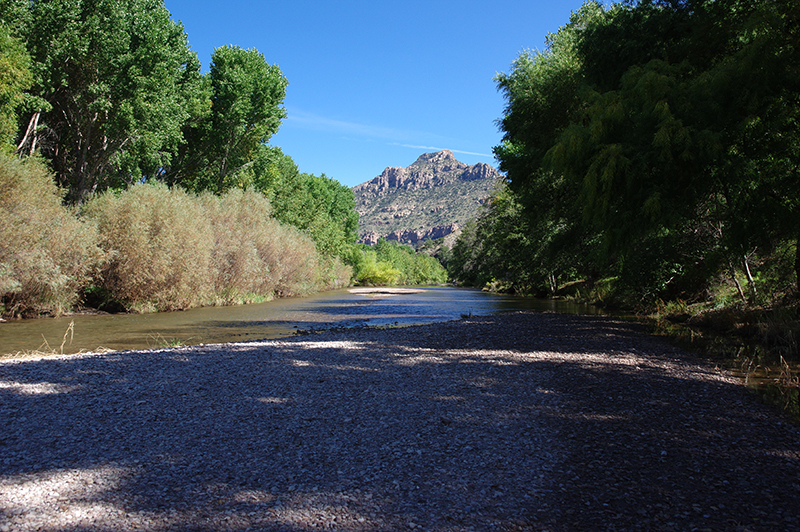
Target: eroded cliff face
432	198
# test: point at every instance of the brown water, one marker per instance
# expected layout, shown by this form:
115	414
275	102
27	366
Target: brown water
274	319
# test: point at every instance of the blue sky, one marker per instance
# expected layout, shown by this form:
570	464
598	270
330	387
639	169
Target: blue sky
377	83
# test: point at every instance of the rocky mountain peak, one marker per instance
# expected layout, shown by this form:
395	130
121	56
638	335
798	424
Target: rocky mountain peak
430	169
431	198
436	158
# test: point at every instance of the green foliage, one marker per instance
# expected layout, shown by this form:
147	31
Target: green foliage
114	77
508	244
368	270
464	265
47	255
111	95
390	263
320	206
656	142
15	78
237	110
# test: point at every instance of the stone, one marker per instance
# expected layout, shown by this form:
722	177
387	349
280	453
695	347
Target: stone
430	199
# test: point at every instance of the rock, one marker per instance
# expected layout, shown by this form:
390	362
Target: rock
432	198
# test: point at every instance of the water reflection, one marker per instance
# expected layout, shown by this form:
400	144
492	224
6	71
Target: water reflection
273	319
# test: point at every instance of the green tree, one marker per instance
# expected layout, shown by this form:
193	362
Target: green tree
539	211
115	75
400	264
226	136
15	78
665	130
318	205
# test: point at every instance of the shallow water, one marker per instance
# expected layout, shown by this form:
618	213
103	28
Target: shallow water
274	319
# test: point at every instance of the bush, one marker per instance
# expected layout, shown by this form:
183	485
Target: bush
238	256
173	250
47	255
389	263
159	241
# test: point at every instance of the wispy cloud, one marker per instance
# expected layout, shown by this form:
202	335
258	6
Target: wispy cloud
434	148
322	123
370	131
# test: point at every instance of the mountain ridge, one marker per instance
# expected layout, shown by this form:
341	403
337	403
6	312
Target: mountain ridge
429	199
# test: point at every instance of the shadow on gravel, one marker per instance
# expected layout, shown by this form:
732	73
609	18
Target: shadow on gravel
510	422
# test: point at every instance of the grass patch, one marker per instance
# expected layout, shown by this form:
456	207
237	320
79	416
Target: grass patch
759	344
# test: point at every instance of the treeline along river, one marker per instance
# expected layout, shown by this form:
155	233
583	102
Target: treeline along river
274	319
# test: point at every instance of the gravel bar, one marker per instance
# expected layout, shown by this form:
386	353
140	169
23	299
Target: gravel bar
523	421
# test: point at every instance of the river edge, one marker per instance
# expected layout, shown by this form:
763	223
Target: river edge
492	422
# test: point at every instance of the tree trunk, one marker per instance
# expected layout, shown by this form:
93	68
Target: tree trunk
750	281
30	135
736	282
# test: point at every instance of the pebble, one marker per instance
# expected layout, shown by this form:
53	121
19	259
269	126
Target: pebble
444	427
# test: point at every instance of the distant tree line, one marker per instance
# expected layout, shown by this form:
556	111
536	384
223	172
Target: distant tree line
108	96
654	145
392	263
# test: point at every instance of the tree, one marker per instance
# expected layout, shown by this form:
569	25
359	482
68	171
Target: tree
544	91
243	110
671	125
15	78
115	75
320	206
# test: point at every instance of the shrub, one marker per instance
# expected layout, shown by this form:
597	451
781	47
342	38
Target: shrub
237	263
159	241
47	255
335	274
173	250
254	255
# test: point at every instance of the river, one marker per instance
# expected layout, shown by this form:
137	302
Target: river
273	319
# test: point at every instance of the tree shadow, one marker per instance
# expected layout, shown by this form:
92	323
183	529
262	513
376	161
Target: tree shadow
517	421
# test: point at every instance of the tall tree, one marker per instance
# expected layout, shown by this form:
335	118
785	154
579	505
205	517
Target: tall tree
115	75
318	205
244	109
666	122
245	106
15	78
543	92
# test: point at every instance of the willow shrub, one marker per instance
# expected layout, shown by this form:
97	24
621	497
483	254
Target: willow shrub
47	255
254	255
159	241
173	250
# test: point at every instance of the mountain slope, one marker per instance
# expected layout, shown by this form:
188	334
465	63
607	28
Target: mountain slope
432	198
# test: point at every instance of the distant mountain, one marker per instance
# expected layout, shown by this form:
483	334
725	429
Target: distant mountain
432	198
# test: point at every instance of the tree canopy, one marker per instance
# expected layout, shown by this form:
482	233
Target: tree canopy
113	76
237	110
15	78
109	95
660	138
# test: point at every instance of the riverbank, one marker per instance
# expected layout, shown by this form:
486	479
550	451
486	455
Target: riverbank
524	421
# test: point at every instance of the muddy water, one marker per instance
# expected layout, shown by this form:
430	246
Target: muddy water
273	319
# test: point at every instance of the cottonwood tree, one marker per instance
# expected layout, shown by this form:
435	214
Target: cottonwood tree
318	205
244	96
15	78
115	75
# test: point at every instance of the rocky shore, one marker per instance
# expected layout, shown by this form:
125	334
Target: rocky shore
525	421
